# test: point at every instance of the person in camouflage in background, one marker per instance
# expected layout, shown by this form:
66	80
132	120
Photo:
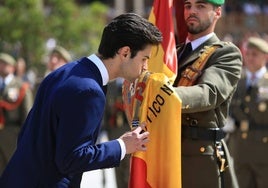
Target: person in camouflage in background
16	100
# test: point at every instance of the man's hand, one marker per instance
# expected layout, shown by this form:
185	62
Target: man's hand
136	139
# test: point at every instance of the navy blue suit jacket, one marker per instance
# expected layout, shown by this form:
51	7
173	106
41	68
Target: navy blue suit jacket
57	141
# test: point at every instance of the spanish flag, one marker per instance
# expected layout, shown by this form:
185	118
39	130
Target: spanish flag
151	98
164	59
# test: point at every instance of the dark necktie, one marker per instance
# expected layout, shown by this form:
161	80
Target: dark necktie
253	79
186	51
2	87
251	82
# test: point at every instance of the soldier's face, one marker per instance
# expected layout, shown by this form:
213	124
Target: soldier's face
200	16
6	69
254	59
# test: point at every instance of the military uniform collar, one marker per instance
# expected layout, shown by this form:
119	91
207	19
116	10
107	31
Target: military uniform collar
197	42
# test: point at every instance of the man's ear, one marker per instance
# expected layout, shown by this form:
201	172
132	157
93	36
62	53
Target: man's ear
124	51
218	12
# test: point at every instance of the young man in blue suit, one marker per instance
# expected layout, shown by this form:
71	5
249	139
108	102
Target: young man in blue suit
57	141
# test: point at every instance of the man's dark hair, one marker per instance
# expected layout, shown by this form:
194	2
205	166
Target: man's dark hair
131	30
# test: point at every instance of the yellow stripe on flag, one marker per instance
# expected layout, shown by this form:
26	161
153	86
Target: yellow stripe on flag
160	165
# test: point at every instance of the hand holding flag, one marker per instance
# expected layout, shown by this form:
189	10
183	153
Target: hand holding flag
136	140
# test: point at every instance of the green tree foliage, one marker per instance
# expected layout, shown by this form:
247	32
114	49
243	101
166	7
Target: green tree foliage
26	25
21	28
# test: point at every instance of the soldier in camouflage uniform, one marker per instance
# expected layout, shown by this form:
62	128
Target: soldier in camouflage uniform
16	99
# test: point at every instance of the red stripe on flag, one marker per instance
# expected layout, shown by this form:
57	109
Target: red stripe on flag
139	172
181	25
163	15
165	23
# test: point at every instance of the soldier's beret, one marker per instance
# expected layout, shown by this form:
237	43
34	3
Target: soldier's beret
62	52
8	59
258	43
216	2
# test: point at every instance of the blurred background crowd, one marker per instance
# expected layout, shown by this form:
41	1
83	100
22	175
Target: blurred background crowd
31	29
38	36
